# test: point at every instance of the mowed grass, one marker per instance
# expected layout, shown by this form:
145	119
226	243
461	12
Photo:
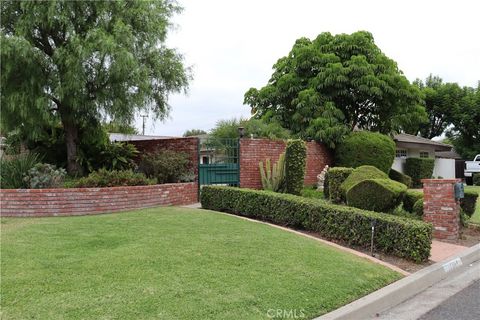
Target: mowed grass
476	216
172	263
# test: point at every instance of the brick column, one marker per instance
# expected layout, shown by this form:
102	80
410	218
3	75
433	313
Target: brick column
440	208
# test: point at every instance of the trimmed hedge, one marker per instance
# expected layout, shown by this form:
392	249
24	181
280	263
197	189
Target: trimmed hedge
469	203
380	195
295	161
418	169
334	178
360	174
402	237
400	177
411	196
418	207
366	148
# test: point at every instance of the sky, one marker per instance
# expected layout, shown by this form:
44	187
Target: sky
231	46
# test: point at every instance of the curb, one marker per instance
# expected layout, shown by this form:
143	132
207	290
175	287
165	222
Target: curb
371	305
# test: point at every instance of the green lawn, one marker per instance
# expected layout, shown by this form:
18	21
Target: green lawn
172	263
476	216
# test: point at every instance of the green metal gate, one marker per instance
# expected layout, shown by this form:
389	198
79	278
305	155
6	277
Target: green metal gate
218	161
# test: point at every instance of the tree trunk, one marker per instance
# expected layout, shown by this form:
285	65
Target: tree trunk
71	140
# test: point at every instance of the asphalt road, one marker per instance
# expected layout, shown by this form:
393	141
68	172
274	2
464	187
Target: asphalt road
464	305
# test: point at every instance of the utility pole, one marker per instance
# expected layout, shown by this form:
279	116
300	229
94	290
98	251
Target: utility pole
143	125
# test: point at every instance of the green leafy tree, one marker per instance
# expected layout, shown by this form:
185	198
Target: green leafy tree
257	127
327	87
80	61
194	132
119	127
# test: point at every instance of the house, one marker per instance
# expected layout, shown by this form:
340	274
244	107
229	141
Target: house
410	146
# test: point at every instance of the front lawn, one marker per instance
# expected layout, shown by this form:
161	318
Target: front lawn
476	216
172	263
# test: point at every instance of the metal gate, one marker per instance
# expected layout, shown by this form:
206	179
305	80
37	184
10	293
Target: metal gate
218	161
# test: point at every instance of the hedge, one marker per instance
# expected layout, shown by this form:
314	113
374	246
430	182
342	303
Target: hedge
295	161
380	195
402	237
400	177
366	148
334	178
360	174
418	169
469	203
411	196
418	208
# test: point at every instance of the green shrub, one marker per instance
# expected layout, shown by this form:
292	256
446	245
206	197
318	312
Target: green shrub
119	156
106	178
333	181
398	236
13	170
411	196
476	179
366	148
380	195
326	190
400	177
469	202
418	207
44	175
418	169
295	161
166	166
273	177
362	173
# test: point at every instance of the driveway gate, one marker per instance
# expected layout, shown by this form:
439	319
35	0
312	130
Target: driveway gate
218	161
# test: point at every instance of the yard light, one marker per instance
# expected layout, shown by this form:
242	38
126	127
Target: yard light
372	224
241	131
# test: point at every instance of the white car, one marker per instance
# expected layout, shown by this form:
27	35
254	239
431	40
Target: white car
472	167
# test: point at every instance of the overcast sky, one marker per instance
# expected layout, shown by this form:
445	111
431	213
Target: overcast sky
232	46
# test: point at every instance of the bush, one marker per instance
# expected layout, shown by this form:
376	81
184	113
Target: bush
398	236
44	175
418	207
13	170
295	160
476	179
273	177
411	197
380	195
469	203
418	169
359	174
106	178
333	181
166	166
118	156
366	148
400	177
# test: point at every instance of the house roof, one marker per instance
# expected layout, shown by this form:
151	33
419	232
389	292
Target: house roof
419	141
134	137
448	155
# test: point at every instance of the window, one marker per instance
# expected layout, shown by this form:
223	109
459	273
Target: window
401	153
424	154
205	160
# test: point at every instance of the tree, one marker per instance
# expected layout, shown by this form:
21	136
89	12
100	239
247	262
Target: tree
327	87
81	61
256	127
194	132
117	127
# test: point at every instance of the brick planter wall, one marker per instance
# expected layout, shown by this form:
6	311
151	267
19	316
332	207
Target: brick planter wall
440	208
83	201
252	151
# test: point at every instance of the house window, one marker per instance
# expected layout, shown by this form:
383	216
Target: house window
401	153
424	154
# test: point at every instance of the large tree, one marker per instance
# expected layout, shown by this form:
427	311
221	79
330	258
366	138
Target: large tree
82	61
327	87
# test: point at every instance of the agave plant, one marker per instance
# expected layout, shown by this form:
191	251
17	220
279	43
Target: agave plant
273	177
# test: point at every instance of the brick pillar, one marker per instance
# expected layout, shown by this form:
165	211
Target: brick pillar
440	208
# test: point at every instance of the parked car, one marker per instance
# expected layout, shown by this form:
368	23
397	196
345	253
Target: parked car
472	167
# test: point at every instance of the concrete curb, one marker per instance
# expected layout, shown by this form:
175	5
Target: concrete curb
375	303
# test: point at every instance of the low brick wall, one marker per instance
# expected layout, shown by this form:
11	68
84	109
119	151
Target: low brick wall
84	201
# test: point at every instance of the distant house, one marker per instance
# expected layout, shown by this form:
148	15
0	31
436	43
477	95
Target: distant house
410	146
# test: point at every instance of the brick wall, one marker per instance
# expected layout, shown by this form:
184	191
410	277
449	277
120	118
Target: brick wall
440	208
83	201
252	151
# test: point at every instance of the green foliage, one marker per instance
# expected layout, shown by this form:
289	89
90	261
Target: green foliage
166	166
311	192
399	236
273	178
295	162
119	127
411	197
476	179
44	175
400	177
13	169
418	207
105	178
366	148
359	174
228	129
194	132
118	156
418	169
380	195
333	180
328	86
469	202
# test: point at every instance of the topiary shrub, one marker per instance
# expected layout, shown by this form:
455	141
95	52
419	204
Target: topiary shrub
410	198
476	179
106	178
333	181
295	161
166	166
366	148
380	195
44	175
469	202
400	177
362	173
418	208
418	169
